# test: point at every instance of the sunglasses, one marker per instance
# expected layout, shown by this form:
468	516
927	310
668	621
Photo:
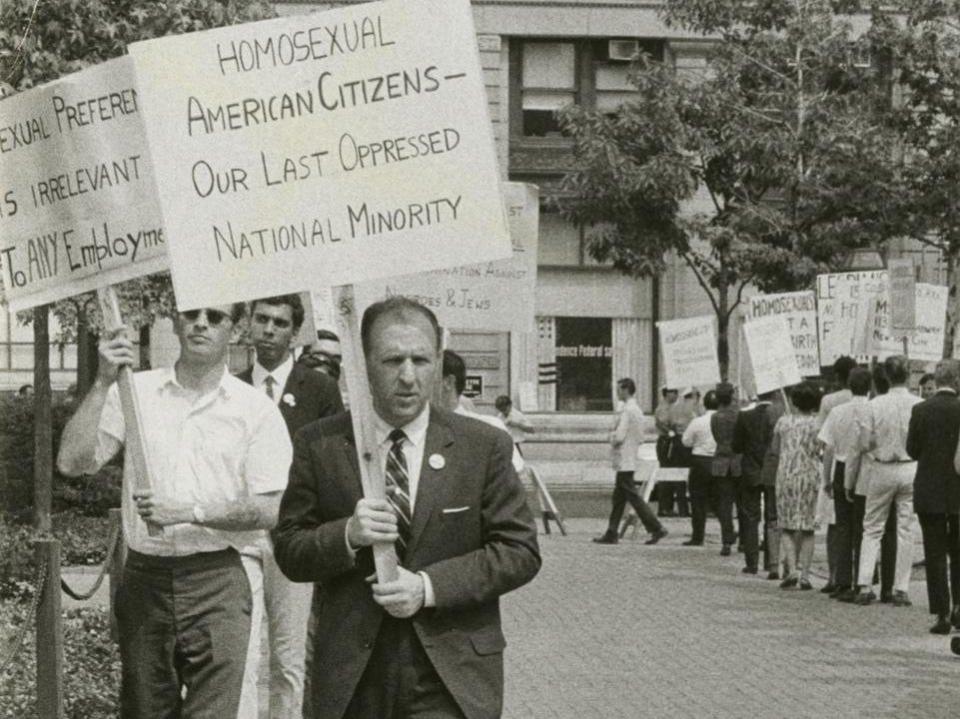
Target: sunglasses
214	317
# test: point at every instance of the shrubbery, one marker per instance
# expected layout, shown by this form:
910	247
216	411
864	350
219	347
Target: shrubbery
91	666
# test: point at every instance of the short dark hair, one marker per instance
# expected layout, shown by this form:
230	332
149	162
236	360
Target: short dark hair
768	396
327	335
710	400
400	306
237	311
897	368
627	384
842	368
724	394
503	403
859	382
928	377
453	366
881	384
947	373
805	396
292	301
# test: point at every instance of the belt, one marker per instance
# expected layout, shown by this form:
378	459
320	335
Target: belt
893	461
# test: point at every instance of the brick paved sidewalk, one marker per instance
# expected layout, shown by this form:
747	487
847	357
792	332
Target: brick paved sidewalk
671	631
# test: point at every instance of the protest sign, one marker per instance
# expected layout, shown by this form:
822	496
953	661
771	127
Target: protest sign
840	297
322	149
901	290
689	349
772	355
925	341
799	309
78	202
497	295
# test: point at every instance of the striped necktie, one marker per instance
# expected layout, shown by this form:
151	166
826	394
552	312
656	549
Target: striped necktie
398	488
269	383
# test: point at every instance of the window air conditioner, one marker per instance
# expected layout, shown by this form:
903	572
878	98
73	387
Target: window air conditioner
623	50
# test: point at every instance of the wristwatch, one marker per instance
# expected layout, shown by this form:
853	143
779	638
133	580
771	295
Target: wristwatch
199	516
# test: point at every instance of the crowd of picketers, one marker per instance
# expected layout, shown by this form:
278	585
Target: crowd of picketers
862	460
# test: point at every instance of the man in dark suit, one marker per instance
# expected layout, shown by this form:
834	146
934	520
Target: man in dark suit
752	435
932	441
302	396
429	643
725	468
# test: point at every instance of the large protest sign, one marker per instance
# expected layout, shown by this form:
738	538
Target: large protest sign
498	295
925	341
689	349
840	299
322	149
78	203
799	309
901	290
772	354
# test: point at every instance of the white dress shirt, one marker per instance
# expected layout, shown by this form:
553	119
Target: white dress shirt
416	431
280	376
627	437
699	436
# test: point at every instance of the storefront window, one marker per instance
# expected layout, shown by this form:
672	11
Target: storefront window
584	353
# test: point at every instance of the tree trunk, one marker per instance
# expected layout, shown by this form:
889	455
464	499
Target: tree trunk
953	306
144	347
723	330
86	354
42	429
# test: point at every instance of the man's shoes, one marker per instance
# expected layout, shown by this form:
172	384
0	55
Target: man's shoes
725	550
774	574
955	617
789	582
805	585
900	599
693	543
955	645
748	570
657	536
865	598
942	626
848	596
828	588
886	597
607	537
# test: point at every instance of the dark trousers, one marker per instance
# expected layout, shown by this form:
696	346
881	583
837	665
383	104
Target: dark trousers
400	681
844	532
625	490
752	497
888	543
771	548
941	541
184	624
673	493
710	492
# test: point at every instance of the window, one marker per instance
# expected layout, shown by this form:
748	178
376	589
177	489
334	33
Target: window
559	240
584	353
613	86
549	84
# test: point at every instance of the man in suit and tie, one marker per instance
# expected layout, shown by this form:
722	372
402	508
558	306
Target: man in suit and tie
429	643
752	435
302	396
932	441
725	467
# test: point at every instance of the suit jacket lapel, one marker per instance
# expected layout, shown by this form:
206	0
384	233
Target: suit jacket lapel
347	457
432	480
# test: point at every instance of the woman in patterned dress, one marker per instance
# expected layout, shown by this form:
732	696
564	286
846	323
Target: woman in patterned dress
798	482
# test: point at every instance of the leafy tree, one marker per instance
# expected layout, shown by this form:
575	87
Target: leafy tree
40	42
785	134
927	52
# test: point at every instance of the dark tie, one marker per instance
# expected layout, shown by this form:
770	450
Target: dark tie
398	488
269	382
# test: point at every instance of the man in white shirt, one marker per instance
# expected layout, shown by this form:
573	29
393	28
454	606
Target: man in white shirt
839	435
704	492
219	454
891	470
303	396
625	440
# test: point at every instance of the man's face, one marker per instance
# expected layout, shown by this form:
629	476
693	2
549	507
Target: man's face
928	389
622	394
671	396
204	334
272	332
327	356
402	365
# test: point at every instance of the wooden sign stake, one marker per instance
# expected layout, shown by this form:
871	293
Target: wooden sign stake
361	411
135	444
